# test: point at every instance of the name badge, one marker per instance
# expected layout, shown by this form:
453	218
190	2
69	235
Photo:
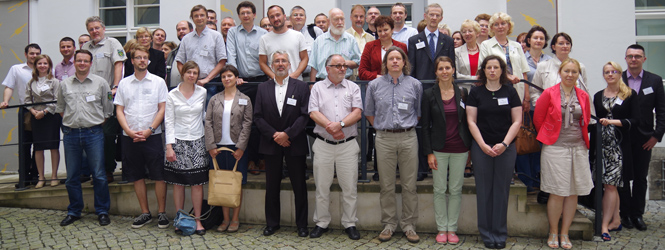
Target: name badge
291	101
43	88
242	101
90	98
203	53
502	101
146	91
461	103
99	55
647	91
618	101
420	45
64	76
402	106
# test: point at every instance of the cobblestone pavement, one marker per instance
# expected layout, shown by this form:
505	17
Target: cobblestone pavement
40	229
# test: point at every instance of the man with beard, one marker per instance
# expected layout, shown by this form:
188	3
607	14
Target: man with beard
370	18
281	116
285	39
357	23
335	41
172	73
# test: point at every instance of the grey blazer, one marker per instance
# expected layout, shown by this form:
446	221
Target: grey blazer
462	62
241	120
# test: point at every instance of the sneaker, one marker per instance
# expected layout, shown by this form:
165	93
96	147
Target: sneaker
385	235
411	236
141	220
163	221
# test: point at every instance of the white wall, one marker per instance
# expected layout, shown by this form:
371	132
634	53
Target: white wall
173	11
52	20
456	11
600	31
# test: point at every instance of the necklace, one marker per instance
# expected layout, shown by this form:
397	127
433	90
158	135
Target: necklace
472	50
492	90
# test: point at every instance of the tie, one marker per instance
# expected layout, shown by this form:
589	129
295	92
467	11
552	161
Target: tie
432	49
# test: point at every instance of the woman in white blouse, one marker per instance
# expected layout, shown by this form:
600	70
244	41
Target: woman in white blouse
466	56
186	157
45	122
547	73
511	51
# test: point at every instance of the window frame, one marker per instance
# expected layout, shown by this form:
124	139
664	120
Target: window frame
642	14
129	29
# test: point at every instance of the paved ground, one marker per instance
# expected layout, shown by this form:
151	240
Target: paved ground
40	229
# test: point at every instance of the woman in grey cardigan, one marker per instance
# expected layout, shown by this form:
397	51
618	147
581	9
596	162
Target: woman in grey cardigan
228	123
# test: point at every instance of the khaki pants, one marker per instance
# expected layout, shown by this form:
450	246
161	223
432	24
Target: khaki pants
344	159
401	149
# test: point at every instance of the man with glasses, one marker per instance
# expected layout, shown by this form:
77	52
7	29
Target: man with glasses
484	21
108	59
265	24
85	102
650	97
141	102
335	105
335	41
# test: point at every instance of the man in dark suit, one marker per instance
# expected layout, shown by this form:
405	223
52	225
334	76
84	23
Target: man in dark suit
650	96
423	50
281	116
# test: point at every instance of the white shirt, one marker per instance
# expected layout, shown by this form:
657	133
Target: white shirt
226	124
141	100
17	79
291	41
404	34
280	94
184	117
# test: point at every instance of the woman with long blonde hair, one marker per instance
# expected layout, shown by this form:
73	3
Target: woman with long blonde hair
618	111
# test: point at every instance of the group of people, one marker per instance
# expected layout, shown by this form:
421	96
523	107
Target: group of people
171	136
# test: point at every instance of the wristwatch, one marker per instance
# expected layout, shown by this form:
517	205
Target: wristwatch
504	144
152	130
341	123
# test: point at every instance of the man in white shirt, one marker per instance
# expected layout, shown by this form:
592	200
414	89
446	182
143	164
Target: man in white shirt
17	79
401	33
283	38
141	101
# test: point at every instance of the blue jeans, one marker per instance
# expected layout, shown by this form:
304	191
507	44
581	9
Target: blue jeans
91	141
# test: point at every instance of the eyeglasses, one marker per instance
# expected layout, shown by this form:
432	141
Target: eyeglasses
141	58
637	57
613	72
339	66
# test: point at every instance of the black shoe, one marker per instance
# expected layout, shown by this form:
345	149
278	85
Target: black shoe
270	230
141	220
163	221
353	233
317	232
421	177
69	220
375	177
627	222
639	223
200	232
500	245
303	232
178	232
490	245
104	219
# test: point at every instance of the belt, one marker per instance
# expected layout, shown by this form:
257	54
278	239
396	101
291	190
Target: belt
83	128
335	142
402	130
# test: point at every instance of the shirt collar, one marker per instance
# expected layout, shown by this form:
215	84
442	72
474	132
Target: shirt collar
427	32
24	66
148	77
285	82
71	61
100	43
628	75
240	27
330	84
329	36
399	79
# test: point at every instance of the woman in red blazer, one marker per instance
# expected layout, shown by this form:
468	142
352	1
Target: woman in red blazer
370	61
561	118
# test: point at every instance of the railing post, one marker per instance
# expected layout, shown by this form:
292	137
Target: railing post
21	152
598	199
363	138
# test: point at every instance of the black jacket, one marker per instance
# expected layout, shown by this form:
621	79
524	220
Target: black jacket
433	119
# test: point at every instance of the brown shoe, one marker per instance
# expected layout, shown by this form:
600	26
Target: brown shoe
411	236
386	235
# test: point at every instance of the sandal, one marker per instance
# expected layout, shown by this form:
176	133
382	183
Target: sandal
223	226
565	242
233	227
606	237
552	241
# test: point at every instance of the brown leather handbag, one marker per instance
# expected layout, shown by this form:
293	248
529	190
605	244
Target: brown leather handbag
225	186
526	142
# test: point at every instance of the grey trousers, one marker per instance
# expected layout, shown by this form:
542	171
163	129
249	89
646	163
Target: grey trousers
492	187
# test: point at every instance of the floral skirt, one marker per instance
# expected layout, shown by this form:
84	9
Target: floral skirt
191	165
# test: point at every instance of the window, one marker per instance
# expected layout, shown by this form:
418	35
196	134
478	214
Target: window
123	17
650	33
